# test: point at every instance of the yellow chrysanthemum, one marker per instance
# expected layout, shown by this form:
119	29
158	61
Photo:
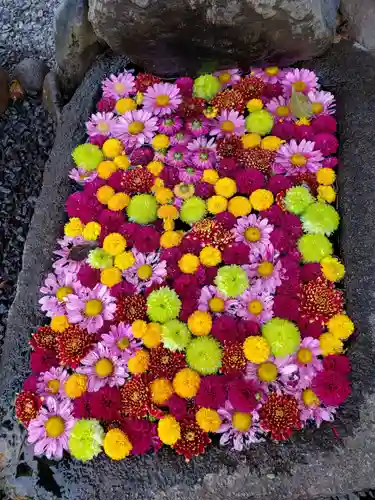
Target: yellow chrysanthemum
170	239
74	227
210	256
332	268
139	328
160	141
122	162
168	224
251	140
124	105
326	176
59	323
91	231
329	344
75	385
210	175
116	444
110	276
271	142
167	212
254	105
188	263
104	194
200	323
169	430
112	148
256	349
225	187
209	420
155	167
326	193
186	383
152	337
161	390
163	195
217	204
118	202
139	363
106	169
261	199
114	244
239	206
124	260
340	326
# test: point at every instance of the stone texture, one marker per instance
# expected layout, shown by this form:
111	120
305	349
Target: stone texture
52	98
76	43
30	74
335	460
4	90
169	37
360	15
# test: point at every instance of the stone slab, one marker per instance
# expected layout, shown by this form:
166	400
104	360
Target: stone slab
334	460
360	16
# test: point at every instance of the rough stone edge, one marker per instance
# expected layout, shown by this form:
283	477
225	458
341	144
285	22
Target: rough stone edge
349	468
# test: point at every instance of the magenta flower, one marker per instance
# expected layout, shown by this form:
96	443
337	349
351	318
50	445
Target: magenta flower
82	176
302	80
323	103
279	107
100	124
51	382
293	158
189	175
56	290
64	264
103	368
162	99
203	153
178	156
135	127
254	231
307	360
119	86
312	410
49	431
266	269
255	305
91	307
198	126
120	341
170	125
234	432
228	123
281	372
147	270
228	77
181	138
270	74
213	301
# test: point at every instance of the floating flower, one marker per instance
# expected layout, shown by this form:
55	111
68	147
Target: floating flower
120	341
202	153
228	123
56	289
254	231
280	109
49	431
280	416
320	301
135	127
255	305
51	382
322	103
86	439
228	77
269	74
213	301
302	80
332	388
312	410
119	86
293	158
147	270
193	440
238	429
72	345
27	407
100	124
162	99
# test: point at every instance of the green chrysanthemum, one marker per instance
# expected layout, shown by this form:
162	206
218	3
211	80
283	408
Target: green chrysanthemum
232	280
99	259
282	335
259	122
320	218
163	305
193	210
297	199
87	156
86	438
203	355
206	87
142	209
175	335
314	247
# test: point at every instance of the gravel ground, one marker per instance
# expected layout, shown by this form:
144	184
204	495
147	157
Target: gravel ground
26	137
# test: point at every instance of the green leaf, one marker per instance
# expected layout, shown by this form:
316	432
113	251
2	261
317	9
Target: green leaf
300	105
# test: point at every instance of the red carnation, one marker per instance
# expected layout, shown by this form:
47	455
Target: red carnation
236	253
41	360
327	143
242	395
331	387
177	407
337	363
227	219
249	180
147	240
140	433
324	123
211	392
83	406
247	328
224	328
106	104
88	276
204	190
278	183
106	403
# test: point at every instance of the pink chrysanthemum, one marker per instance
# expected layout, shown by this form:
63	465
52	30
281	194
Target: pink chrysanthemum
162	99
51	382
198	126
82	176
254	231
213	301
119	86
312	410
228	77
302	80
266	269
135	127
120	341
56	290
255	305
90	308
236	437
307	360
103	368
293	158
270	74
273	373
189	175
100	124
178	156
170	125
147	270
279	107
64	264
49	431
323	103
181	138
203	153
228	123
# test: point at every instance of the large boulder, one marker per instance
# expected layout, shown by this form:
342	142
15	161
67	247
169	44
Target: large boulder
76	43
174	37
360	15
